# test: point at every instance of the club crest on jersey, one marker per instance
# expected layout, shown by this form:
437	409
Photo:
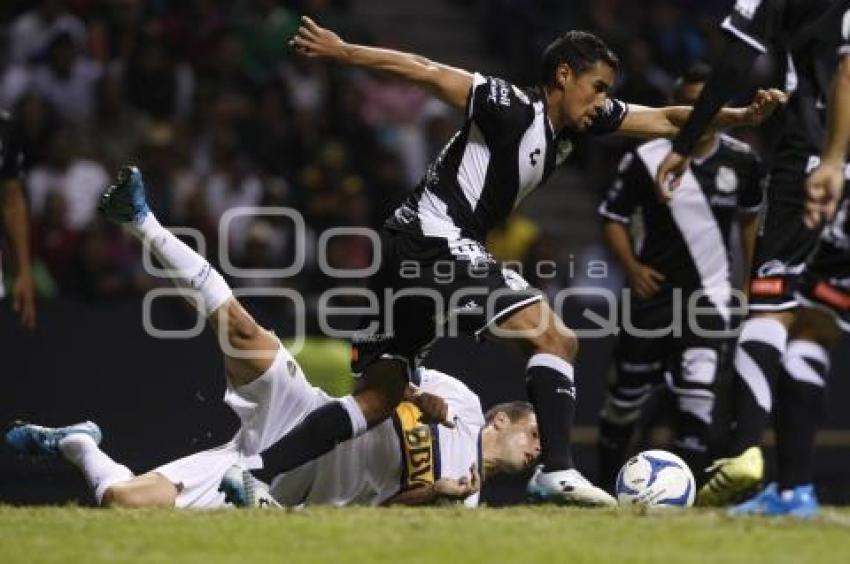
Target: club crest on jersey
562	151
726	180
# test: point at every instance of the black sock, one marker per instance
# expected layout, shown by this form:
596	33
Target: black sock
692	444
552	393
317	434
612	448
799	407
757	366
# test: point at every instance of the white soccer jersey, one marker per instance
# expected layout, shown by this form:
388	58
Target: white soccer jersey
398	454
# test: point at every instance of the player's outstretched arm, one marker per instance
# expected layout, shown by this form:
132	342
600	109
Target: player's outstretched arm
826	183
651	123
452	85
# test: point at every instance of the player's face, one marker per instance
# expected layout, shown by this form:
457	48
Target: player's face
520	444
585	94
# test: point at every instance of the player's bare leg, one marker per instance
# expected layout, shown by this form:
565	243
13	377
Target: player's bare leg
551	348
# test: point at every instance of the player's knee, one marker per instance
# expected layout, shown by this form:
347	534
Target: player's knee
559	340
119	495
816	326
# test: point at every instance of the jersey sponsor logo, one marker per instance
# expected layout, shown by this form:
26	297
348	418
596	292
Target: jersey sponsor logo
747	8
776	267
419	447
767	287
726	180
499	92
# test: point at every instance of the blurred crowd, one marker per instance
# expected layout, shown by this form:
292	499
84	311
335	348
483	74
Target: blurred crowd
206	97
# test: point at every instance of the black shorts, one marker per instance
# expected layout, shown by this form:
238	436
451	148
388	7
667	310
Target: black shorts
826	283
784	243
428	288
690	356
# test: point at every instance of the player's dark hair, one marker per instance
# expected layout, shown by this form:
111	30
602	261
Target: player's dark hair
515	410
697	73
580	50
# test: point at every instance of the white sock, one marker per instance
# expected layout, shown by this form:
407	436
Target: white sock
188	268
100	471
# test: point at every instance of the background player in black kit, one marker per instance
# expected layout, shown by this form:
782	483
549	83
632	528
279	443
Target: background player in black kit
685	251
783	348
511	141
16	221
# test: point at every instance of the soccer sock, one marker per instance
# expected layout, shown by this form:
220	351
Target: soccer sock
757	364
316	434
188	268
549	380
692	442
98	468
799	407
612	448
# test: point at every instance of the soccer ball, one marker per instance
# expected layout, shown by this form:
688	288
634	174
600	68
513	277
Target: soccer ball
656	478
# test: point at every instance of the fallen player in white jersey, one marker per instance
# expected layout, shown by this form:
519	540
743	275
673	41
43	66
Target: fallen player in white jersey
402	460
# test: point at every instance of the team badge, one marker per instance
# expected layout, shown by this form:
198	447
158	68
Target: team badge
726	180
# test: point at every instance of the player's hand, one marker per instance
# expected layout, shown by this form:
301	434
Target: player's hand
669	175
823	192
312	40
433	407
645	280
462	488
23	298
763	105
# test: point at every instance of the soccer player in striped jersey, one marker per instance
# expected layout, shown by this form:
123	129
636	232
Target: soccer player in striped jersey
403	460
799	283
511	141
680	294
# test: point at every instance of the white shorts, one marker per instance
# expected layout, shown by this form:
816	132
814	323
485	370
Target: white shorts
268	408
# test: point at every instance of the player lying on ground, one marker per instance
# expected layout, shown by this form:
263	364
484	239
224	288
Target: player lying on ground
511	141
685	251
798	293
401	460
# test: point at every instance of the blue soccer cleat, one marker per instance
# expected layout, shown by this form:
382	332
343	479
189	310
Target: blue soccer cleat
43	442
242	489
799	502
125	201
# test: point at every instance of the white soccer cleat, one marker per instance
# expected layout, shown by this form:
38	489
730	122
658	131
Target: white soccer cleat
242	489
566	487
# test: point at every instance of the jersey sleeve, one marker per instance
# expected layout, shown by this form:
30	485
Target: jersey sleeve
622	198
463	403
495	105
755	22
609	118
11	155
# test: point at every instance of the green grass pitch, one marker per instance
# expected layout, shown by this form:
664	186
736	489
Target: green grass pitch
433	535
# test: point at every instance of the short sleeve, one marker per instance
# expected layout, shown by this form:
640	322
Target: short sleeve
622	198
609	118
495	104
11	156
463	403
755	22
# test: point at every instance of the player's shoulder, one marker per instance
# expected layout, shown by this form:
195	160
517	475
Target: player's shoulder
504	92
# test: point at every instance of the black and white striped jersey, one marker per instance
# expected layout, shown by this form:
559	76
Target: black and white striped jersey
505	149
687	239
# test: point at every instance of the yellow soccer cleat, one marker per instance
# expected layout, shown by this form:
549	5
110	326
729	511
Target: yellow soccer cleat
732	477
